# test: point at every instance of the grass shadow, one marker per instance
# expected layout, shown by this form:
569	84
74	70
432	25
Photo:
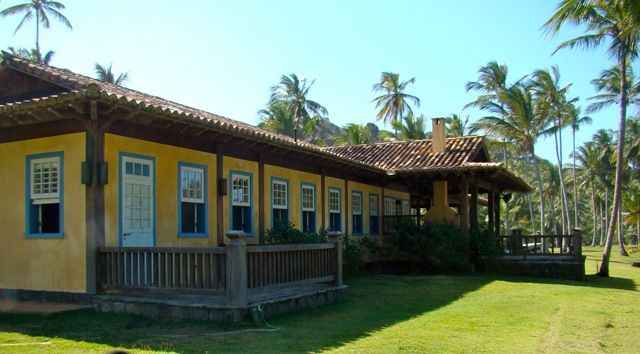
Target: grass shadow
373	302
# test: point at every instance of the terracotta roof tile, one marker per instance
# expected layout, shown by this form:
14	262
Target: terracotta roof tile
415	154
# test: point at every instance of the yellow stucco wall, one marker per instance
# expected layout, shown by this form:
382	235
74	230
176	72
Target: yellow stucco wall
54	264
238	165
166	179
295	179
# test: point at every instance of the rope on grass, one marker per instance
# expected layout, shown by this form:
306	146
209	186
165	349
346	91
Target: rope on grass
24	344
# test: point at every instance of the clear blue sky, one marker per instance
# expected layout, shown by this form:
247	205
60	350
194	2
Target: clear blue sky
223	56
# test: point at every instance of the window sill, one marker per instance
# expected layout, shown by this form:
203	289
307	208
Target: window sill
193	235
53	235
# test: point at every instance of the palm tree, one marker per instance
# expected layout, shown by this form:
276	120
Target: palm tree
33	54
394	103
41	9
354	134
456	126
410	127
617	22
516	119
105	73
277	118
608	87
293	92
552	102
492	80
576	122
588	158
631	202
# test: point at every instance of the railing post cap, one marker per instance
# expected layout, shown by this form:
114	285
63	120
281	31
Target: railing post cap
334	234
235	234
577	229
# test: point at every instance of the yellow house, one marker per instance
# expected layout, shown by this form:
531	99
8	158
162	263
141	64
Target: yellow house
86	164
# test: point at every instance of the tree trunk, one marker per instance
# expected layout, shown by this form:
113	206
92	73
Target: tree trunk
566	223
38	33
553	219
539	177
506	204
595	213
622	251
606	209
575	183
617	190
603	223
526	175
638	232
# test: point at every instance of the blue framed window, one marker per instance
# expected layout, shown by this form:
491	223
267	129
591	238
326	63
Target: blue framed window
308	206
356	213
279	201
192	200
45	195
335	207
373	215
241	201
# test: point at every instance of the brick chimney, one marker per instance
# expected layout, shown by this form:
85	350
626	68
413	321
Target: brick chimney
438	135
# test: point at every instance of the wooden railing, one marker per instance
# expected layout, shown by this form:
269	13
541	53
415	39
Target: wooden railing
291	265
518	244
233	270
166	268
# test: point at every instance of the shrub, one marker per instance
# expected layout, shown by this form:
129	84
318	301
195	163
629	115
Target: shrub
352	255
288	234
437	247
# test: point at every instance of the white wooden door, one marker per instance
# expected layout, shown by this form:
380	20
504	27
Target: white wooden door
137	202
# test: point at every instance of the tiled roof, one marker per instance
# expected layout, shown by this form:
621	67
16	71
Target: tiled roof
81	86
416	154
400	157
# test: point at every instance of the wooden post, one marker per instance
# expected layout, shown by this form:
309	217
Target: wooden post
236	277
94	196
323	204
381	212
219	196
496	208
347	214
464	204
474	203
491	209
514	242
338	244
577	243
261	202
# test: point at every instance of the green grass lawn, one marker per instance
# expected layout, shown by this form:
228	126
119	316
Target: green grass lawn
384	313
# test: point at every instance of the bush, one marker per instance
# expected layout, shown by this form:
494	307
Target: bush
352	255
437	247
288	234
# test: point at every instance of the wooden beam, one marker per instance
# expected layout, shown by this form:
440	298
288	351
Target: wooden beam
473	210
464	204
219	197
261	199
323	205
347	214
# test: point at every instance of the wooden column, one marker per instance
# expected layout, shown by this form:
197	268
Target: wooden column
261	203
236	276
323	204
496	208
464	204
491	209
347	214
219	196
94	196
381	212
473	210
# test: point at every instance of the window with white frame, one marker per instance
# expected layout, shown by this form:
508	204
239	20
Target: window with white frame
373	214
356	211
280	201
389	207
192	200
334	210
406	207
308	208
241	202
45	194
